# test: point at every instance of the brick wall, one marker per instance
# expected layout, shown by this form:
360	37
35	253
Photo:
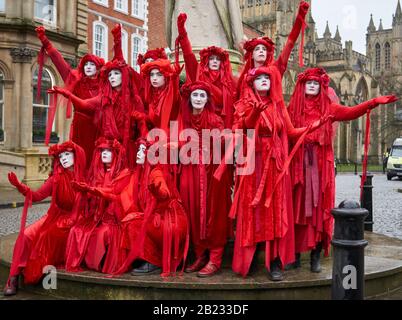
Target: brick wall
157	24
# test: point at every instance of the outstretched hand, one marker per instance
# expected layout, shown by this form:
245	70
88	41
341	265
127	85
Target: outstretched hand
259	106
116	31
138	116
303	8
319	123
80	186
12	178
386	99
59	90
40	32
181	21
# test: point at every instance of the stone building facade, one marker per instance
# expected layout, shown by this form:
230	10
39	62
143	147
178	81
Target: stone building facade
351	72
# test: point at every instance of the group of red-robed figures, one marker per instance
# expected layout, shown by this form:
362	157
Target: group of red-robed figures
113	211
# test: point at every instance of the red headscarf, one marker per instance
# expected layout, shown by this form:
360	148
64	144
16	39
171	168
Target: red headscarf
223	78
156	54
162	103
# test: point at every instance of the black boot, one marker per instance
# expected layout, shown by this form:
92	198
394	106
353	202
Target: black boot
11	287
146	269
294	265
276	273
315	259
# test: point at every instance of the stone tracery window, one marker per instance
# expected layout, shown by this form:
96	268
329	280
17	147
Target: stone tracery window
387	56
377	57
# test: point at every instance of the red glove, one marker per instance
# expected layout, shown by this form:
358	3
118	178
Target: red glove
252	118
62	91
303	8
116	31
181	21
40	32
22	188
80	186
157	185
138	116
385	100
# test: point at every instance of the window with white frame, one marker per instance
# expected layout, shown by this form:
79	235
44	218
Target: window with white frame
1	106
2	5
102	2
46	11
121	5
41	107
100	40
136	50
124	43
138	8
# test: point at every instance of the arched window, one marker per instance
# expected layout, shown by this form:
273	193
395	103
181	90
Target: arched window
100	40
1	106
387	56
124	43
377	57
41	107
137	49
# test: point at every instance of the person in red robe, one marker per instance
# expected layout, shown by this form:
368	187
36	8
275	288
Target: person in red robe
44	242
113	107
95	239
312	168
84	82
259	52
214	68
152	55
263	203
207	201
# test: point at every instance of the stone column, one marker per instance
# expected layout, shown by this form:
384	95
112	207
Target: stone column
70	17
28	9
22	58
10	132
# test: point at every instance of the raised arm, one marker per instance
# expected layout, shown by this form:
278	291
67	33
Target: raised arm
342	113
117	48
189	57
61	64
283	59
42	193
87	106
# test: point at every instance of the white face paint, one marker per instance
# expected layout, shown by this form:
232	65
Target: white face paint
66	159
115	78
214	63
262	83
149	60
90	69
141	154
199	99
107	156
157	78
312	88
260	54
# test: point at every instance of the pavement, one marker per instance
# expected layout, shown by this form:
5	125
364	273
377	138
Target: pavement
11	198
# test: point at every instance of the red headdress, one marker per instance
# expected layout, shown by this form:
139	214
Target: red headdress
162	103
118	159
156	54
224	77
99	62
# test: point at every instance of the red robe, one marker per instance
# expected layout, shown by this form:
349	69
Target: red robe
45	240
256	223
207	201
313	174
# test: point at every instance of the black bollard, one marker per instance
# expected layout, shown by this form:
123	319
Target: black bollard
348	252
367	201
355	168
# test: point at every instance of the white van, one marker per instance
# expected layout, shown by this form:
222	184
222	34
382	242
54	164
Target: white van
394	165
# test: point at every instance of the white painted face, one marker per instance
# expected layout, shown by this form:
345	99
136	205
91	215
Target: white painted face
214	63
90	69
312	88
141	154
149	60
157	79
199	99
260	54
107	156
66	159
115	78
262	83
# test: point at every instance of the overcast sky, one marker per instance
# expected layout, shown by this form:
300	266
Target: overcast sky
352	17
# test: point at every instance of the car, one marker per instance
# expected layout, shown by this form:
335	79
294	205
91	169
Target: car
394	163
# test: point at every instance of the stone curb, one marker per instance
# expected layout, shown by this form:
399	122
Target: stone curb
19	204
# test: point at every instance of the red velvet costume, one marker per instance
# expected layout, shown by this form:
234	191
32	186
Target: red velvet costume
95	239
282	62
264	213
207	200
162	104
44	242
112	109
82	130
222	82
313	166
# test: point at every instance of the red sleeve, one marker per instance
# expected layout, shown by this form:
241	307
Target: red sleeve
282	62
342	113
189	57
62	66
86	106
44	191
293	133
